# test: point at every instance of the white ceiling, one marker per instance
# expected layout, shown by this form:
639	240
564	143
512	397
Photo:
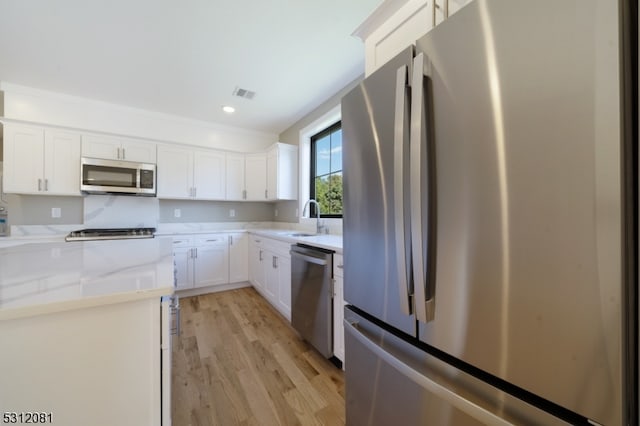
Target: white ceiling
186	57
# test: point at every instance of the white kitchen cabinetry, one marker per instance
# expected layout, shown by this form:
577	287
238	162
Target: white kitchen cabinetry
282	172
41	161
238	257
256	266
89	366
270	266
256	176
116	148
211	264
338	307
209	175
185	173
235	171
389	30
210	260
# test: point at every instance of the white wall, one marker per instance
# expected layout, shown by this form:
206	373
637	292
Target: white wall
45	107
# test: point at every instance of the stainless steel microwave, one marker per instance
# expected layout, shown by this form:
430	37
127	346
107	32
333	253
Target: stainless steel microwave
99	176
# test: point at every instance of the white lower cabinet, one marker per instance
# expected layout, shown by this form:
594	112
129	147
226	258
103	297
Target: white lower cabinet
338	307
210	259
270	271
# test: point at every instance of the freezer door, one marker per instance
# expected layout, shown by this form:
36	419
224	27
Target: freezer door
375	131
390	382
525	117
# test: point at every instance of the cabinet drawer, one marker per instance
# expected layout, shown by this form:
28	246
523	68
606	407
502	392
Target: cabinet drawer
212	239
281	248
338	264
182	241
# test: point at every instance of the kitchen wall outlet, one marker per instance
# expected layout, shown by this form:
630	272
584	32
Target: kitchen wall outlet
56	212
177	213
232	213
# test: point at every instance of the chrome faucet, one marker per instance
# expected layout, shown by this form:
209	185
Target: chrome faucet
319	227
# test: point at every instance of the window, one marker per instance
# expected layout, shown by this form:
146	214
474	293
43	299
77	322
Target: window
326	170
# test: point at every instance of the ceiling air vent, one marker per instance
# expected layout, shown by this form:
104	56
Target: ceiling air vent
244	93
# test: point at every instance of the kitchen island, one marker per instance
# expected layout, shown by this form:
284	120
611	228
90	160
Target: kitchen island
84	331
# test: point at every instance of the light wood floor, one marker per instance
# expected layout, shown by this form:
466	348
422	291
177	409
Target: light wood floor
239	362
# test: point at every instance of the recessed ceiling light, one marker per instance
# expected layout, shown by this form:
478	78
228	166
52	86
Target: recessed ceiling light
228	109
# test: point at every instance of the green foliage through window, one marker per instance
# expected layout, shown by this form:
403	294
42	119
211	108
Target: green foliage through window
326	170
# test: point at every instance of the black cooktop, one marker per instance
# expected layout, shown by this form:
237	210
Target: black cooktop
110	234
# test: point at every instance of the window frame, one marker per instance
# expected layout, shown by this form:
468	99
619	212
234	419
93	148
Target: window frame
312	172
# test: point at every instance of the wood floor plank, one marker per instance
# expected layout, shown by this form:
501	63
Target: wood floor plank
239	362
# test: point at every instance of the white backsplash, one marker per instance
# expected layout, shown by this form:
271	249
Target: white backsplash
120	211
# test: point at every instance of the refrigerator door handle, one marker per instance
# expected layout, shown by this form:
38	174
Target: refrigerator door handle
424	300
477	412
400	125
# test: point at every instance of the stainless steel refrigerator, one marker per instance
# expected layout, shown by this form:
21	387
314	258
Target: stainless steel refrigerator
490	221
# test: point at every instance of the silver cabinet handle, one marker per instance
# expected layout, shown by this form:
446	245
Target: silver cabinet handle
39	184
230	240
196	251
46	184
260	256
265	194
420	170
118	154
340	266
482	415
399	160
244	194
212	241
124	156
275	262
178	242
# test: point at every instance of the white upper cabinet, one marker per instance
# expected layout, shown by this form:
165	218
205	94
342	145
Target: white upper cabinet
190	174
389	30
209	175
282	172
174	172
235	172
256	176
116	148
41	161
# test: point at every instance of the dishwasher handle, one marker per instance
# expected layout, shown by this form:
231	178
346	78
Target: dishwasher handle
316	260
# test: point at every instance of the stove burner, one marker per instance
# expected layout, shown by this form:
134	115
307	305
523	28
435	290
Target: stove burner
110	234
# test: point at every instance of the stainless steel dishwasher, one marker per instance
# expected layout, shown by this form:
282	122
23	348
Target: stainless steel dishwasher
312	296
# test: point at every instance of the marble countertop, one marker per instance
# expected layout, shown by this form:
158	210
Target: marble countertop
327	241
45	277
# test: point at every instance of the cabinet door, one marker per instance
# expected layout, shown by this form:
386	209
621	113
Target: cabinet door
271	277
284	285
256	264
238	257
98	146
142	152
175	172
272	174
24	159
212	262
235	177
209	175
184	267
256	176
61	162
